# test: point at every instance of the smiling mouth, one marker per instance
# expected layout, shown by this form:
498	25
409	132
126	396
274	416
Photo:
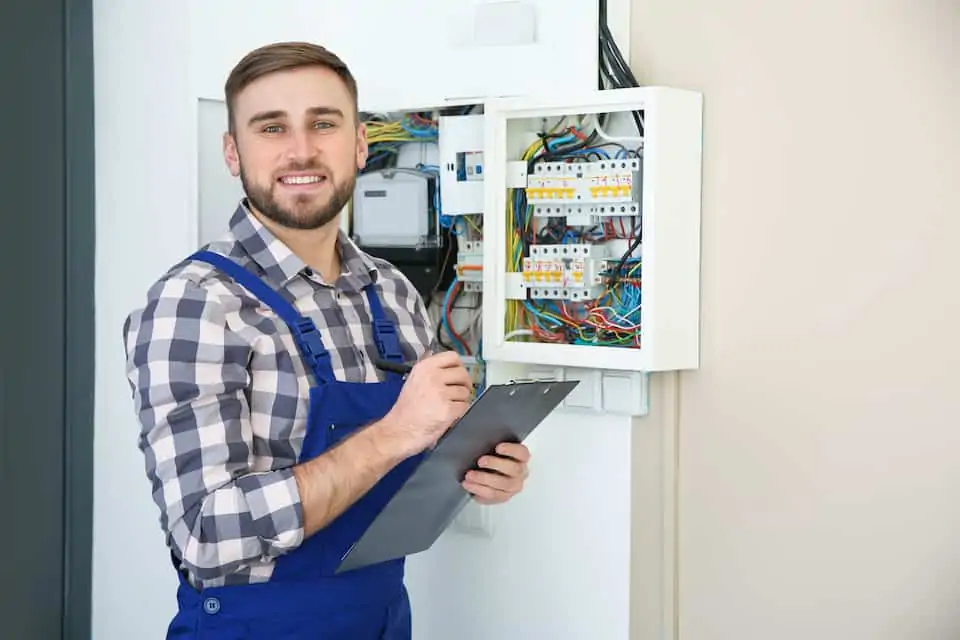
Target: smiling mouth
302	180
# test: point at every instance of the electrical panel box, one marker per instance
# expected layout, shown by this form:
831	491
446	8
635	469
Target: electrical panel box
392	208
592	230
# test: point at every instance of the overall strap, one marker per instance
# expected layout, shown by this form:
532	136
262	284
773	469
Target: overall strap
304	331
384	330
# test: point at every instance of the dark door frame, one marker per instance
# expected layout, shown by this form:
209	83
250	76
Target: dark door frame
79	326
47	350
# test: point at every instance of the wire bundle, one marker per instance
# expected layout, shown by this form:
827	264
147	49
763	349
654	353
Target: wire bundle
464	229
614	318
386	137
615	73
611	320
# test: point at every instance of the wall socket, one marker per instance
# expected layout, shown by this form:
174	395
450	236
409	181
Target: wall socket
474	519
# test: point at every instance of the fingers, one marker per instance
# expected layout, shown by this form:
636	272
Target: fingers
456	376
514	450
491	487
457	393
500	476
506	466
485	494
444	360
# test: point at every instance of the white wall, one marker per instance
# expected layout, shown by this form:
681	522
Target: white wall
557	566
820	442
143	226
147	53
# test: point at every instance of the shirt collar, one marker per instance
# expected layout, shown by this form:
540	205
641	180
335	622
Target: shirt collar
280	265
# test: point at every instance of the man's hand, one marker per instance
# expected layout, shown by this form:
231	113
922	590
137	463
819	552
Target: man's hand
501	476
435	395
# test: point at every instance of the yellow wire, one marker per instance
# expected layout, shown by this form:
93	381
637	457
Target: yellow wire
515	309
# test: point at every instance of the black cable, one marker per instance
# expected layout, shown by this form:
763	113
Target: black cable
618	60
613	66
619	75
439	336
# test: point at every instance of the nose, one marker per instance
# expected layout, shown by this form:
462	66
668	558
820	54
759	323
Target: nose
301	150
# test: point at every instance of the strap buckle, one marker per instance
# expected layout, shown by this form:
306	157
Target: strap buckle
385	335
311	345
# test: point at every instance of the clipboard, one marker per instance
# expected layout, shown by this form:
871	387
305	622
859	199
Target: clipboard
432	496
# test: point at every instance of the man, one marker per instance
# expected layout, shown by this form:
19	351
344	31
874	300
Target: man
271	438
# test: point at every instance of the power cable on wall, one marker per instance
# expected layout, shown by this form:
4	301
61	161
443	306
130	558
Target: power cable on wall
615	73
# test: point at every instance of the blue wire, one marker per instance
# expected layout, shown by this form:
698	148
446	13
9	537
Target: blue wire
443	316
597	150
418	131
377	156
434	170
551	144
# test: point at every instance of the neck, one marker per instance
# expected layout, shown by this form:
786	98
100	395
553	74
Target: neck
316	247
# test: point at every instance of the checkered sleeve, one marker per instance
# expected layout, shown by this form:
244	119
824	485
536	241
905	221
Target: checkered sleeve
188	372
423	329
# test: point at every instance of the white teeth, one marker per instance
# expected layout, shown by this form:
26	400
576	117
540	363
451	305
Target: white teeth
301	179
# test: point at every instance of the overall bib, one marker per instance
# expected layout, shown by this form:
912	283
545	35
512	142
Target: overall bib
304	598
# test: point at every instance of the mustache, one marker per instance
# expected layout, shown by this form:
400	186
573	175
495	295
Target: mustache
305	166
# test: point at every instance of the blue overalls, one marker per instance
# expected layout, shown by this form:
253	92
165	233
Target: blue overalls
304	598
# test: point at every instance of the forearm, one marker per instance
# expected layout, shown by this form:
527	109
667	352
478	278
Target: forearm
249	519
332	482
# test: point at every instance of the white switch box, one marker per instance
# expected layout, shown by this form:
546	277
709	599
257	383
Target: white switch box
625	392
585	395
474	519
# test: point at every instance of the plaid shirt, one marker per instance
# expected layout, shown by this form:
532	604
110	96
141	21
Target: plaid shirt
222	393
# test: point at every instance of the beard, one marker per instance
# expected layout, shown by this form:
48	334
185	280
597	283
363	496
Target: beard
304	213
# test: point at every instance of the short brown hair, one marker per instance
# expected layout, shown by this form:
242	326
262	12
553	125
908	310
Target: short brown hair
283	56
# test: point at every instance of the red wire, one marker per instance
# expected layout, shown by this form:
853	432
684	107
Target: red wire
456	336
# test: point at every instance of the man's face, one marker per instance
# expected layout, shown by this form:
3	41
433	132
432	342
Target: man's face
297	146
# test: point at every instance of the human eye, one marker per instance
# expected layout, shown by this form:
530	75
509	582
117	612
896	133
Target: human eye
323	124
272	128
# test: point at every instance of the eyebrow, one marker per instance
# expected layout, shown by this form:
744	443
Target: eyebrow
276	114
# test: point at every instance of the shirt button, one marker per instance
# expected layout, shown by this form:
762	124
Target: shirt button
211	605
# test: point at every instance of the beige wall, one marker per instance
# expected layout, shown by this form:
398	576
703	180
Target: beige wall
819	444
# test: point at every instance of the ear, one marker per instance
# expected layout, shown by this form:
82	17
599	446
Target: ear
363	147
230	154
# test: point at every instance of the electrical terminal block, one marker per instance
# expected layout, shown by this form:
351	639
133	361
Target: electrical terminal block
586	190
593	213
469	267
562	267
570	294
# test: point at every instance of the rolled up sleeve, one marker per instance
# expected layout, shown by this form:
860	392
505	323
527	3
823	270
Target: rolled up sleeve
188	373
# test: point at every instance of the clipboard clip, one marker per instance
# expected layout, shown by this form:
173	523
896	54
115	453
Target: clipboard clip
532	380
